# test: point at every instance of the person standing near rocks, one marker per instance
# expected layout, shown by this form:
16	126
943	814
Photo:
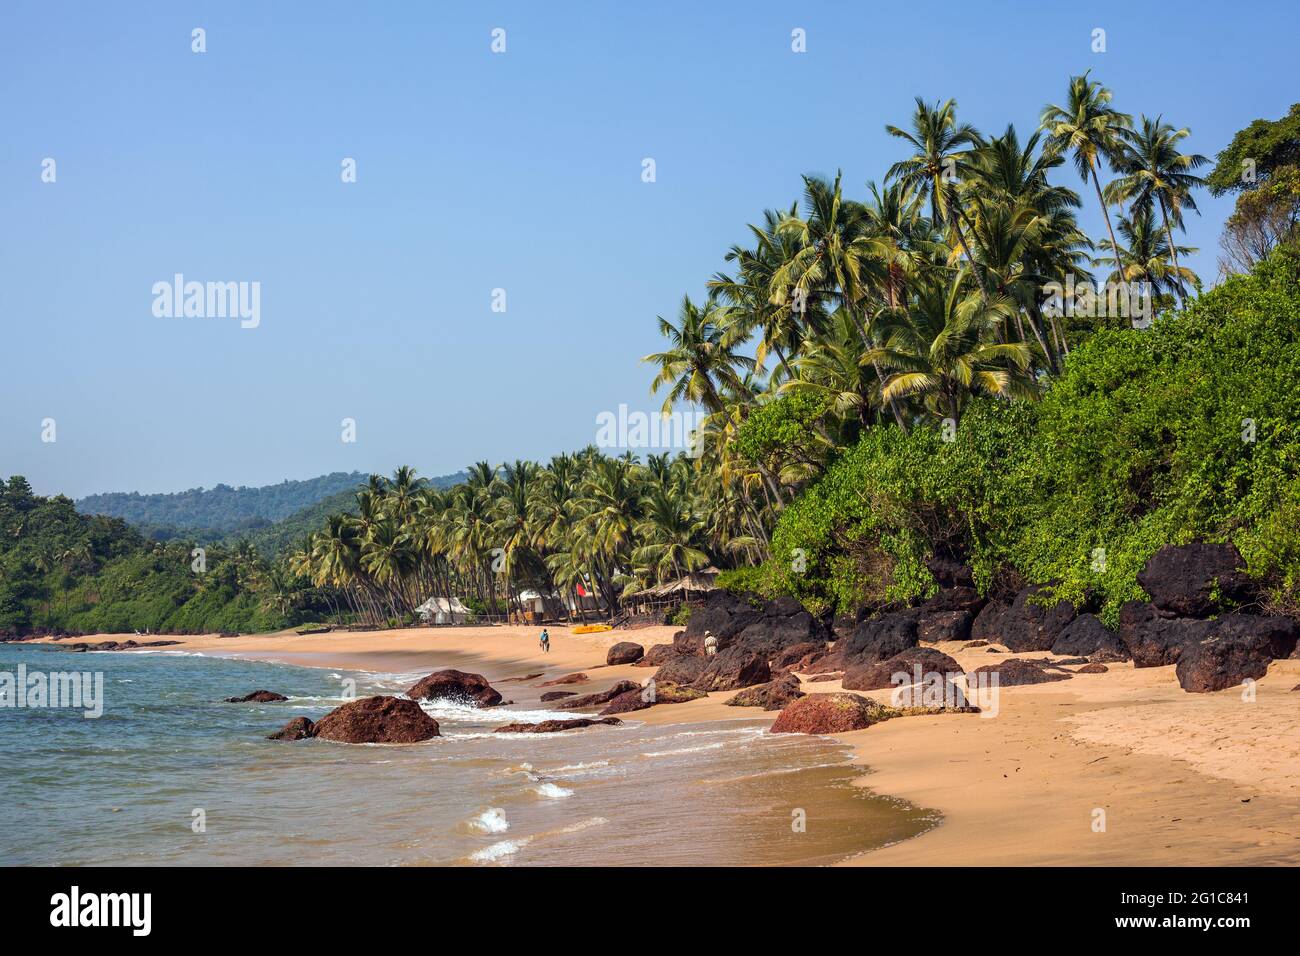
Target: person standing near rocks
710	644
545	641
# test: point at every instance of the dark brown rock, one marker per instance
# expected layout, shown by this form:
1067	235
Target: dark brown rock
551	695
578	678
1086	635
377	720
602	697
1154	639
732	669
300	728
764	628
937	626
880	638
1014	672
556	726
648	696
878	675
970	644
682	669
1092	669
828	714
658	656
1239	647
257	697
955	599
457	686
797	654
624	652
1029	626
985	627
1184	579
773	695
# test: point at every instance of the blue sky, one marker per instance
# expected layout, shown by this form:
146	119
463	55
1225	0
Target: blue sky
476	171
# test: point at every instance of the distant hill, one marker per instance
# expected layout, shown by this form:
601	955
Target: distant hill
270	517
288	532
221	509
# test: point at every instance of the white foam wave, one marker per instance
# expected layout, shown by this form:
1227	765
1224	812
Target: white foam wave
684	750
491	820
552	791
499	851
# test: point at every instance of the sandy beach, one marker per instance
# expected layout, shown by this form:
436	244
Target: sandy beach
1182	779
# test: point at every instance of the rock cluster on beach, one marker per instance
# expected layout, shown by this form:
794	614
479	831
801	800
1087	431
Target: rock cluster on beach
1188	585
115	645
753	638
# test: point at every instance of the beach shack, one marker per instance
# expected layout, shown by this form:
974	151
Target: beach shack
439	610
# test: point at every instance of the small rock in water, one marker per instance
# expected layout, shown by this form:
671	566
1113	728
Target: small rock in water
257	697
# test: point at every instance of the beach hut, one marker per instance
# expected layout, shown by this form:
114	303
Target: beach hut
438	610
533	606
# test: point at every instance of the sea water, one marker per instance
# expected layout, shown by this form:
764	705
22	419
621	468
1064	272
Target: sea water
170	775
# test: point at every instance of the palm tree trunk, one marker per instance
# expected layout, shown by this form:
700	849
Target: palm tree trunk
1173	251
1096	182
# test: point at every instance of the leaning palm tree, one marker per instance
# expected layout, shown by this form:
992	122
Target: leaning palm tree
939	349
1089	128
701	359
1153	171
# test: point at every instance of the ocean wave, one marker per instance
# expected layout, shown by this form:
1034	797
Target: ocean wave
685	750
442	709
499	851
552	791
505	849
571	768
491	820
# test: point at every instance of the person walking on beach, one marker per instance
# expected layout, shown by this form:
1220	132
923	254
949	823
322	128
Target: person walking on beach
710	644
545	641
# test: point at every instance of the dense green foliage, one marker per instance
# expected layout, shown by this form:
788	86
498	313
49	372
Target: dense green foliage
1262	167
1189	430
62	571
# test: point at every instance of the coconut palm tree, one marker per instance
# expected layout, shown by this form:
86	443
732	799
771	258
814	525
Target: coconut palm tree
702	357
1089	128
1154	172
939	350
943	149
1148	258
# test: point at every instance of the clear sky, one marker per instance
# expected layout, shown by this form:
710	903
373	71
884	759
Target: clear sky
475	171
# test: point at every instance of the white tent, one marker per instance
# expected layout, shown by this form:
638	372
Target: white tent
439	610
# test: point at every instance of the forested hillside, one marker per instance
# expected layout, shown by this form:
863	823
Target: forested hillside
221	509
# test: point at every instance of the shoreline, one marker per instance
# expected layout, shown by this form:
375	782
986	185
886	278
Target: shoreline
1182	779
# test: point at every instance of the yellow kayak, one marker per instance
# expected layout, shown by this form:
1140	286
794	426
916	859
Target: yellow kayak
592	628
